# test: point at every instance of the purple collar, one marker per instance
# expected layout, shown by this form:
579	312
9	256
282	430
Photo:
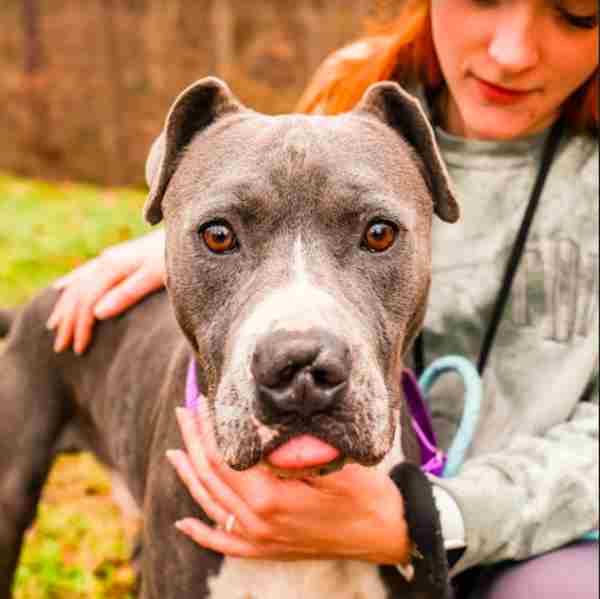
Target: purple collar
432	457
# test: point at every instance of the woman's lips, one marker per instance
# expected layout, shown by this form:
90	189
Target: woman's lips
499	95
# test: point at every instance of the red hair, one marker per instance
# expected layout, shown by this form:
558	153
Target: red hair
403	50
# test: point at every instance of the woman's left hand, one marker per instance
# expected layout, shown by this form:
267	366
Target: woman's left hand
356	513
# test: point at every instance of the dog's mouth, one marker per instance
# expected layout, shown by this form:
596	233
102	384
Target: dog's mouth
301	454
295	446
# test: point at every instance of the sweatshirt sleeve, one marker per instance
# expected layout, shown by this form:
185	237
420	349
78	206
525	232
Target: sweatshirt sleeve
536	495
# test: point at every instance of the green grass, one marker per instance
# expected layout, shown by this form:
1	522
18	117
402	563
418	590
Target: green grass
48	229
79	545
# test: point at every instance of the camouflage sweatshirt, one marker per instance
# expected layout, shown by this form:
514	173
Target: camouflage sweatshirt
530	483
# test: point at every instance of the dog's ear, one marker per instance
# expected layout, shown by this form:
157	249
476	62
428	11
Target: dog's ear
398	109
195	109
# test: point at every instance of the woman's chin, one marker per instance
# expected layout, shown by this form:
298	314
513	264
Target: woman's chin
497	123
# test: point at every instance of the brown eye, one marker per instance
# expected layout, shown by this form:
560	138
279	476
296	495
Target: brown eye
380	236
219	238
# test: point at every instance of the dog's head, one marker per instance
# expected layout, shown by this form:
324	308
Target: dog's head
298	264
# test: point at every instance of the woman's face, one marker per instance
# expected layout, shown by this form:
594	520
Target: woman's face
510	64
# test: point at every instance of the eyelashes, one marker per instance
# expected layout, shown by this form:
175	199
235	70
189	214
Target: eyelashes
571	19
580	22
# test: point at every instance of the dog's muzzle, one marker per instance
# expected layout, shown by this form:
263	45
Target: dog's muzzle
299	374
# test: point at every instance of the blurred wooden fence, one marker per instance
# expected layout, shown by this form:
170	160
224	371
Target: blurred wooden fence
86	83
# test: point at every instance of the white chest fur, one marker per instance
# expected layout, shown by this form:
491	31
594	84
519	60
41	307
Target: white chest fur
251	579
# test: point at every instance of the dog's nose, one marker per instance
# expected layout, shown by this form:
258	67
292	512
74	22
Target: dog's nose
302	373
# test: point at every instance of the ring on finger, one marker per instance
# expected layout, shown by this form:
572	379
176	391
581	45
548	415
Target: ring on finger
229	523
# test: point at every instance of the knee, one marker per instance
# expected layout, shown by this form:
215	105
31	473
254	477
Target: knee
570	572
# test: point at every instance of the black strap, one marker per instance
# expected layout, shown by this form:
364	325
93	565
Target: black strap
514	261
419	354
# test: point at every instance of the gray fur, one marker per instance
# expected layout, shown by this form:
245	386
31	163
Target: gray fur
299	192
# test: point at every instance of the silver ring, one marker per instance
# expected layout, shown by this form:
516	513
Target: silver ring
230	523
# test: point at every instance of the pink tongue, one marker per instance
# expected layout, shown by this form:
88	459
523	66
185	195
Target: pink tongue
303	452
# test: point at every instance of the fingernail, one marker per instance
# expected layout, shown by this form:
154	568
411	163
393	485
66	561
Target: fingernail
181	525
201	410
51	323
171	455
181	413
103	308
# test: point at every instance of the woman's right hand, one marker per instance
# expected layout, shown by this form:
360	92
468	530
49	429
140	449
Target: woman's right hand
106	286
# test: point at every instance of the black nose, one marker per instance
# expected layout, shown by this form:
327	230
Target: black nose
300	373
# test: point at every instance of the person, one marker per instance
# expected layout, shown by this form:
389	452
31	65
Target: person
495	77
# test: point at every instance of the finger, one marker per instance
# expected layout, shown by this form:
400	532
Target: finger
95	289
129	292
255	482
199	430
199	437
63	284
339	481
185	471
56	314
226	543
66	323
73	314
77	282
66	280
243	484
209	477
84	325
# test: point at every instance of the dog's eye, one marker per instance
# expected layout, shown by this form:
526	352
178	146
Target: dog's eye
219	238
379	236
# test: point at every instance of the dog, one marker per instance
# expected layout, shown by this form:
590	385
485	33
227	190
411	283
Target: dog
298	270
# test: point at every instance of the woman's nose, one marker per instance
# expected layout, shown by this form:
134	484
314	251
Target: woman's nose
514	44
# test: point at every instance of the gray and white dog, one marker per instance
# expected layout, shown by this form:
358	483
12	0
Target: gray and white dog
298	268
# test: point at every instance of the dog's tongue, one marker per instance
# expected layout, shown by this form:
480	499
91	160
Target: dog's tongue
304	451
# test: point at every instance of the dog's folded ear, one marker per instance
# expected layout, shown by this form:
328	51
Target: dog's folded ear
196	108
398	109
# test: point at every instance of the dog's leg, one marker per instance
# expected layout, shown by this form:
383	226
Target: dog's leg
32	414
173	567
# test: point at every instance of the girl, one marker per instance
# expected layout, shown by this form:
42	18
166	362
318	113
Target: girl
500	79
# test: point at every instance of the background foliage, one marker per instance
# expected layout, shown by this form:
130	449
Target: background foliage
85	88
86	84
80	544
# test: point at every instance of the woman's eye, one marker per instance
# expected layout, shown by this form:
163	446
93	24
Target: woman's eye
580	22
219	238
379	236
574	20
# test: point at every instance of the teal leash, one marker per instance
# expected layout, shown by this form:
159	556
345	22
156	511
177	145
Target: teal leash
472	410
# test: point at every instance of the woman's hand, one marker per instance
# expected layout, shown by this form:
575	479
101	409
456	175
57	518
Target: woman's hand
356	513
106	286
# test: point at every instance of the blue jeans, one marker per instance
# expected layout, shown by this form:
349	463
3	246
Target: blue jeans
568	573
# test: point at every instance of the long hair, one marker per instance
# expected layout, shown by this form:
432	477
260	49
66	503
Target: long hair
403	50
